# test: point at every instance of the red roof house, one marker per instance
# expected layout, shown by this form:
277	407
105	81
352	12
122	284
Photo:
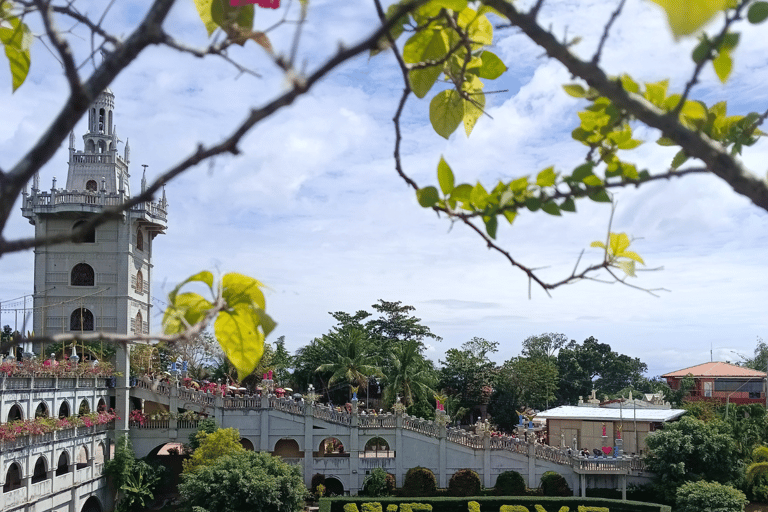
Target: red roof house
723	382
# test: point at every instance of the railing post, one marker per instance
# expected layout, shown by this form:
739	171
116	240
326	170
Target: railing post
486	459
354	449
264	427
531	460
399	448
309	422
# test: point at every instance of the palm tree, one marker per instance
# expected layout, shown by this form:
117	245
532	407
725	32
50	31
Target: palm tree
350	351
412	376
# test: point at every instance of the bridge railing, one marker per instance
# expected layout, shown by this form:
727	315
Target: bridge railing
463	437
380	421
322	412
286	405
512	444
426	427
552	454
607	464
242	402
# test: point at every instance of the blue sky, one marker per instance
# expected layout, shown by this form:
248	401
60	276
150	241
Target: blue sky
314	208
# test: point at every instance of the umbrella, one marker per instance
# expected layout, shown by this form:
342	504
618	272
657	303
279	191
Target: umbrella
288	390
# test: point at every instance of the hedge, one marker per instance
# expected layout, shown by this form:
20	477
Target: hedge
489	504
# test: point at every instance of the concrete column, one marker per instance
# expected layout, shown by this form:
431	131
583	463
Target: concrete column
531	460
354	450
442	457
122	390
309	421
583	481
623	487
487	461
218	404
399	473
264	427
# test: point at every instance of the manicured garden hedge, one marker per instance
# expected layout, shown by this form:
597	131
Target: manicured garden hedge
489	504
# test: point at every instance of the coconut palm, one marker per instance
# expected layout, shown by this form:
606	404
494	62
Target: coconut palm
351	355
412	376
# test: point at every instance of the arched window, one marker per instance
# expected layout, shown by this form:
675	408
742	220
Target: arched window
42	410
12	478
88	238
82	457
15	413
85	408
139	282
41	471
81	320
64	410
100	454
102	146
102	406
139	240
138	323
90	146
83	275
101	120
62	468
91	186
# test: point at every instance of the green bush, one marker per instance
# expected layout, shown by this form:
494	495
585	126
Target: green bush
378	483
244	482
464	482
510	483
207	425
317	479
554	484
419	482
709	497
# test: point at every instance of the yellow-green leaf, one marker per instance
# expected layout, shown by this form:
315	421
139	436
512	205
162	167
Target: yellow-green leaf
478	196
446	112
575	90
546	178
694	110
187	309
630	144
17	40
628	266
237	331
237	289
426	45
202	277
454	5
492	66
472	111
687	16
723	65
427	196
599	244
204	11
633	256
445	176
618	243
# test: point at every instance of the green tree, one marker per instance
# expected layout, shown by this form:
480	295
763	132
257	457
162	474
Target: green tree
412	376
691	450
532	380
593	365
759	361
221	442
709	497
467	374
544	345
244	482
351	357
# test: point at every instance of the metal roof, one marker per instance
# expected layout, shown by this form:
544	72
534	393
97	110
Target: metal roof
572	412
717	369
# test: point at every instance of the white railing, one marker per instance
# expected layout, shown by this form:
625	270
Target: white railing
378	421
464	438
242	402
607	464
426	427
286	405
14	497
41	488
331	415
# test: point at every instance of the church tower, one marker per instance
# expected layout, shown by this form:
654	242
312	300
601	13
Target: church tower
104	281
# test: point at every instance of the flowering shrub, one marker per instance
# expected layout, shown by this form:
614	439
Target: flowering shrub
136	416
38	426
48	368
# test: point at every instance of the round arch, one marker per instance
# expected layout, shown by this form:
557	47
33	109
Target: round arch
247	444
85	407
41	470
288	448
15	413
82	457
82	274
12	477
62	467
92	504
333	486
64	409
166	449
331	446
100	454
377	447
81	319
42	410
101	406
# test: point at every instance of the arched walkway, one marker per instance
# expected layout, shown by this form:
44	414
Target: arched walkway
42	410
84	408
64	409
92	504
15	414
247	444
287	449
330	446
377	447
41	470
82	457
62	468
334	487
12	478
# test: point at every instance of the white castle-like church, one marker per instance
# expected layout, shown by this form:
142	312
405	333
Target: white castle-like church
102	283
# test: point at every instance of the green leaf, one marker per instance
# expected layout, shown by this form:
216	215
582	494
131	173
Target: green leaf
723	65
688	16
630	144
533	203
479	29
238	289
758	12
17	40
628	84
427	196
491	225
679	159
462	193
492	67
446	111
546	178
454	5
575	90
187	309
204	11
237	331
666	141
227	16
426	45
694	110
592	181
445	177
202	277
601	196
551	208
479	196
582	171
702	51
472	111
396	30
568	205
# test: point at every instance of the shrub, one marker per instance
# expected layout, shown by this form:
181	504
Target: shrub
510	483
464	482
554	484
244	482
419	482
317	479
378	483
709	497
207	425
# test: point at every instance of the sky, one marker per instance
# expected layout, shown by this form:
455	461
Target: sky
314	209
